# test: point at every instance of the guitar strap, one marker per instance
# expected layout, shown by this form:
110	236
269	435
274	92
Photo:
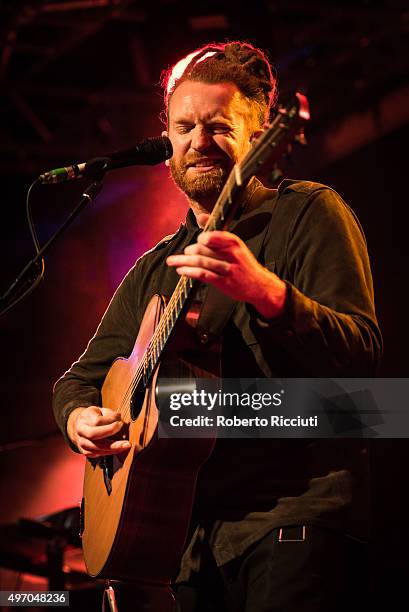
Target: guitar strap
251	227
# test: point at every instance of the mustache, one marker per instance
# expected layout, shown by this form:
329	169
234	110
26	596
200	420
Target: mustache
203	159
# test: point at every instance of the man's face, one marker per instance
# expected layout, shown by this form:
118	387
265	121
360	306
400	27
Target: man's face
210	129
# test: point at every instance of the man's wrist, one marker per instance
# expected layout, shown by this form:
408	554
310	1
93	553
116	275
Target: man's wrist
271	298
74	414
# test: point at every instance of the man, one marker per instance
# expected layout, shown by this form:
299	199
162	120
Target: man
277	524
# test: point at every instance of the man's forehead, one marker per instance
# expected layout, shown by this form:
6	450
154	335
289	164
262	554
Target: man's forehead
207	100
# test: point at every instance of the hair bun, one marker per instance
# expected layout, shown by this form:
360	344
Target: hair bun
239	62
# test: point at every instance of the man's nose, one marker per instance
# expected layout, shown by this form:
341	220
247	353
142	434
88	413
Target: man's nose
201	139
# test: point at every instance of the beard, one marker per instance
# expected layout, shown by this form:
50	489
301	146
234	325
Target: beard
203	186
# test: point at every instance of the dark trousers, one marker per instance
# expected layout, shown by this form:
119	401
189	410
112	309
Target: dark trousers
295	569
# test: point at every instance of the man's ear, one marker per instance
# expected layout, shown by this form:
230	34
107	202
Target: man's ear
164	133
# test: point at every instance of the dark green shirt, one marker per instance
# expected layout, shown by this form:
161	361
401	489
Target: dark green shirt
311	239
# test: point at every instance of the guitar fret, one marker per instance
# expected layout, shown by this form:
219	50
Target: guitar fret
144	365
159	347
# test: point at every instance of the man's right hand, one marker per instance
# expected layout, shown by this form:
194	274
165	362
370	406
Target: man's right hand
92	429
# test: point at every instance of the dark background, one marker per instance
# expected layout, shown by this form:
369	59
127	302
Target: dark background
79	79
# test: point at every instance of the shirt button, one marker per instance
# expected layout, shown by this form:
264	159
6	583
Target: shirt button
204	338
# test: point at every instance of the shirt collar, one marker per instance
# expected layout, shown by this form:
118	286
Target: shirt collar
191	223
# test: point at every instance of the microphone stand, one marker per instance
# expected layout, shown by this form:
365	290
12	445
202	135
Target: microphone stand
32	270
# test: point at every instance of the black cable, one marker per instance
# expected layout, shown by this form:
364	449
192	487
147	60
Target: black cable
30	218
40	276
30	272
27	291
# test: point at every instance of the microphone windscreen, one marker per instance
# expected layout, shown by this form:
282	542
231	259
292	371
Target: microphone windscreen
149	152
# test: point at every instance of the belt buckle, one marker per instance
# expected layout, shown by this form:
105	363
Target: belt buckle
281	539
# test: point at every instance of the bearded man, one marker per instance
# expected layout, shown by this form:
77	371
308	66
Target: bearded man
277	525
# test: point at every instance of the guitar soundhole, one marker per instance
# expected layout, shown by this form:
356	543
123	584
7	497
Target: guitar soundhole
137	399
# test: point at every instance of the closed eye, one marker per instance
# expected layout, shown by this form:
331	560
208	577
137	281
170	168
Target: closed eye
184	128
219	128
213	128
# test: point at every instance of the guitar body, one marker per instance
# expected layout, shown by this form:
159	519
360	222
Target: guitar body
137	505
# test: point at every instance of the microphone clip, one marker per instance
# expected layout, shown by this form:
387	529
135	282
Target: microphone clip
94	169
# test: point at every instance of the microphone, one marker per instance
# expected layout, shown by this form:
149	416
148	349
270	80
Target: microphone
148	152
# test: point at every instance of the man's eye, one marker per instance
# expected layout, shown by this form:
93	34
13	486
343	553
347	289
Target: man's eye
220	129
184	129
